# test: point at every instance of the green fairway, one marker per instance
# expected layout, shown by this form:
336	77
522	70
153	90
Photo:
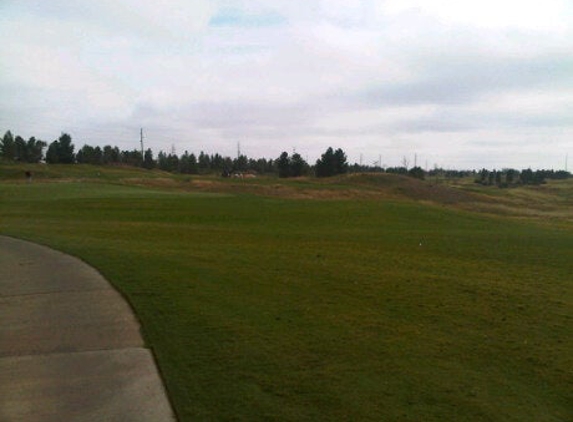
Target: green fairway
269	308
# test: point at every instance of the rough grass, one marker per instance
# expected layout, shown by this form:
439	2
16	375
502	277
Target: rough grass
269	308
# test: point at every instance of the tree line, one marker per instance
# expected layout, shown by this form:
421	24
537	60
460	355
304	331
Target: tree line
332	162
62	151
511	177
18	149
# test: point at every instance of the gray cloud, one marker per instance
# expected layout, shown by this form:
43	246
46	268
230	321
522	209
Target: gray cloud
453	81
371	77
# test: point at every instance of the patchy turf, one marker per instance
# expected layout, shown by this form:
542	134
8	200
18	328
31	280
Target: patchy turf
266	307
553	200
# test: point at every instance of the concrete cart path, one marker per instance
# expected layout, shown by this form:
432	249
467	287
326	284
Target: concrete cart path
70	346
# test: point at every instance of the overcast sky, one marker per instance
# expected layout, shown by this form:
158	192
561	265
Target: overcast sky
461	84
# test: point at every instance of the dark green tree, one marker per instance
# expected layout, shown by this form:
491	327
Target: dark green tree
261	165
172	162
98	155
35	150
84	154
193	167
204	162
510	176
111	154
526	177
66	149
217	162
483	177
7	147
340	162
148	161
241	163
162	161
131	158
298	166
283	165
417	173
325	165
61	151
21	150
52	155
331	163
90	155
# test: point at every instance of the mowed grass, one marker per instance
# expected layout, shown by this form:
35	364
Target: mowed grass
263	308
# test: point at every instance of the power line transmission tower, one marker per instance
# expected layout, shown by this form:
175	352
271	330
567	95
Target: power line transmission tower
141	142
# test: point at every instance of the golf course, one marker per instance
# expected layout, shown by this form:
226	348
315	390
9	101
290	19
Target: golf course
365	297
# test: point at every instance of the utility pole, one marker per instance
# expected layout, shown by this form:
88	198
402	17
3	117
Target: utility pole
141	142
238	150
566	159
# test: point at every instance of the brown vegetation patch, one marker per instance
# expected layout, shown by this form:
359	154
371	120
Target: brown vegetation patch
406	187
157	182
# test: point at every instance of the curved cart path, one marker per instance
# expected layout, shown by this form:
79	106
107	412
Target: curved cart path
70	347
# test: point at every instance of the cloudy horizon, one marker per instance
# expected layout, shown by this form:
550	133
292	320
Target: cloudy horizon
457	84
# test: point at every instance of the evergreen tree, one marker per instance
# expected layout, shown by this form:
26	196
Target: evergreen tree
61	151
172	162
283	165
162	161
20	149
204	162
217	162
148	161
325	165
131	158
98	155
7	147
90	155
340	162
241	163
483	177
110	154
510	176
53	153
84	154
298	166
35	150
331	163
417	173
526	177
193	167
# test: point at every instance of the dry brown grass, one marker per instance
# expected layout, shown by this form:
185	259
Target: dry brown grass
552	201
